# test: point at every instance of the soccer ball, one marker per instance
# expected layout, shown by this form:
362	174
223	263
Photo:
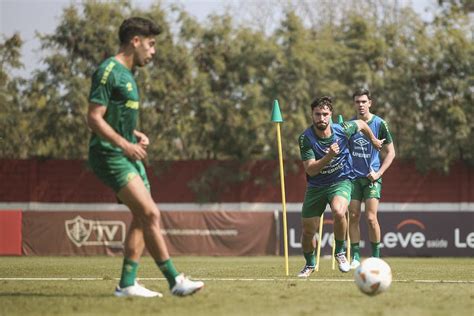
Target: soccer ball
373	276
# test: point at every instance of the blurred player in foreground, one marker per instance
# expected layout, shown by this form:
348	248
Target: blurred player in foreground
369	165
324	150
116	151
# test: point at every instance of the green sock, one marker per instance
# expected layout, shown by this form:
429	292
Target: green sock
129	273
169	271
310	259
339	246
355	251
375	249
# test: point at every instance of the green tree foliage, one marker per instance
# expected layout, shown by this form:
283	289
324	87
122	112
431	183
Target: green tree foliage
14	123
209	92
213	102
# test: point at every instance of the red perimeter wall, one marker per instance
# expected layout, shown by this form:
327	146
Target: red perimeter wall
10	232
70	181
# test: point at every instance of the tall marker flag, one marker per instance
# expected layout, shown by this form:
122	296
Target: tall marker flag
276	118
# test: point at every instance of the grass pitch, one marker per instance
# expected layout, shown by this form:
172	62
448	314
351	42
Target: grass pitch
234	286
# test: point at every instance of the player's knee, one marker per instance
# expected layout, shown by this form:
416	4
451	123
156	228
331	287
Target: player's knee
308	232
355	215
307	235
339	215
150	216
372	220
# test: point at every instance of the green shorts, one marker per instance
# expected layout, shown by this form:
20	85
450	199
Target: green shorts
317	198
116	170
363	189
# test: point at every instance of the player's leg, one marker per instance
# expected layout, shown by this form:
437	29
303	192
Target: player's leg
354	232
309	228
371	207
136	196
354	223
339	207
372	195
134	243
133	249
115	171
134	246
339	196
135	193
313	206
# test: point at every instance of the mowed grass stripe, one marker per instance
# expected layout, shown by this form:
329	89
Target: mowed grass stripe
233	280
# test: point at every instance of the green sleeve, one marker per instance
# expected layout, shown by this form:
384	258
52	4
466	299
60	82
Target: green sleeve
102	85
350	128
385	133
306	150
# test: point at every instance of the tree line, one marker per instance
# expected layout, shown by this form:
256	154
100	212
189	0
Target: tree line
209	92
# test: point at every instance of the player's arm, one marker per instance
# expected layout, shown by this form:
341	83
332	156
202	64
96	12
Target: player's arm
365	129
97	123
388	151
388	154
312	166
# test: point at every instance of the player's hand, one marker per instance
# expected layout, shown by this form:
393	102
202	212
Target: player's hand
377	143
135	151
373	176
142	139
334	150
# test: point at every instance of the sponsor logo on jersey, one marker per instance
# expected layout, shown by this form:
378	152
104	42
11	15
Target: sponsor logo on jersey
132	104
130	176
359	155
331	168
361	142
129	86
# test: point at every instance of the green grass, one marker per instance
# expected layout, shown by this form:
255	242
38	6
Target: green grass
328	293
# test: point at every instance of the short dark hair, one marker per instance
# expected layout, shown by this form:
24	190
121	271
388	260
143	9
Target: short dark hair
137	26
321	102
361	92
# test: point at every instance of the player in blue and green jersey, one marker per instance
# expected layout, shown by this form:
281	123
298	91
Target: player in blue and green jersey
369	166
324	149
116	151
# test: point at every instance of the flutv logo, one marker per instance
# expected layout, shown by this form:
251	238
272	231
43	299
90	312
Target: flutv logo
83	232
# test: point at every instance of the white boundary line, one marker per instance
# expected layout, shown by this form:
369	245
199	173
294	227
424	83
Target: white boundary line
238	279
239	207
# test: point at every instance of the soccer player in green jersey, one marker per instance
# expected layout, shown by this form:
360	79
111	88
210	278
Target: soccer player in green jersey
324	149
116	151
369	165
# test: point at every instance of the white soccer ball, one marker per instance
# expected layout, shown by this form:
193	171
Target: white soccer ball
373	276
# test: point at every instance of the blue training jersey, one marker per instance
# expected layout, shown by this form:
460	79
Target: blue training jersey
313	147
364	155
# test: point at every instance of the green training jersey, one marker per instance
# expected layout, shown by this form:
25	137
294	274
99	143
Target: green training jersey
114	86
365	157
314	147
